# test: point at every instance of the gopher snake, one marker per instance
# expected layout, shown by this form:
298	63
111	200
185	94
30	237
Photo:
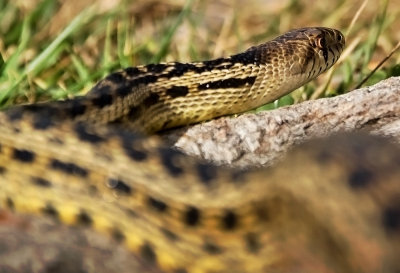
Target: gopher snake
184	215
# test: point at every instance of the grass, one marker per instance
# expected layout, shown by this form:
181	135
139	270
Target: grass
51	50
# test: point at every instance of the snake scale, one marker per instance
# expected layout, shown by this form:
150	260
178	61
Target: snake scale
331	206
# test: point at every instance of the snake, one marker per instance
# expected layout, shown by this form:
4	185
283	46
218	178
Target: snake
332	205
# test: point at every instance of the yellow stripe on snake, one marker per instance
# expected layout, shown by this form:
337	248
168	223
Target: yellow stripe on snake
330	206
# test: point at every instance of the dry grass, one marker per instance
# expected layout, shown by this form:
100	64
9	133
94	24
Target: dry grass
53	50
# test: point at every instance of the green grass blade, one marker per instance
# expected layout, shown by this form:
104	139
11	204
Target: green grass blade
36	65
166	41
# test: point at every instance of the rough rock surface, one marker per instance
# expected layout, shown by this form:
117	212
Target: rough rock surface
260	139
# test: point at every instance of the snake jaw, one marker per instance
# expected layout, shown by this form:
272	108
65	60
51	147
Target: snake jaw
296	68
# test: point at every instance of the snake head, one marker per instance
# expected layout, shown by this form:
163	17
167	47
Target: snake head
329	43
315	49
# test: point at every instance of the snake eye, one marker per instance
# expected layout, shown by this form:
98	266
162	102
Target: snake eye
321	42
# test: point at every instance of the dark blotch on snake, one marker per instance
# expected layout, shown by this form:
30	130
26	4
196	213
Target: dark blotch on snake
148	254
148	79
10	203
192	216
262	213
180	69
227	83
68	168
169	234
23	155
360	178
152	99
74	107
158	205
41	182
207	172
134	113
102	99
118	235
14	114
156	68
115	78
391	218
132	71
50	210
252	243
83	133
123	90
84	218
170	160
129	147
249	57
119	186
212	248
42	122
177	91
238	176
229	220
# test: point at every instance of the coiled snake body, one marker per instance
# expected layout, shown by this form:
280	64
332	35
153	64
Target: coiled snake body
331	206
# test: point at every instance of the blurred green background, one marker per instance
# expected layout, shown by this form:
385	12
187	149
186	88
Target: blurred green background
58	49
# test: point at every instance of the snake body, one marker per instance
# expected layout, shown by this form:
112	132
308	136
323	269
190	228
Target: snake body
329	207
